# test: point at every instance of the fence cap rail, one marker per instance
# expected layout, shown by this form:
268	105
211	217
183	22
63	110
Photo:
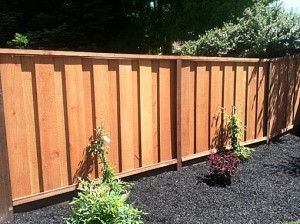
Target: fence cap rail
285	58
124	56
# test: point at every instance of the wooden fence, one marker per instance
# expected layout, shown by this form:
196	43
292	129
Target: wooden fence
158	111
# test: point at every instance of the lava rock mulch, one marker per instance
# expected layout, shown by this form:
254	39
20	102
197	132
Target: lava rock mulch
266	190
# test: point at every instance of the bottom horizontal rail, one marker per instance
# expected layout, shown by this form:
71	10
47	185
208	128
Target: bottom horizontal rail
70	188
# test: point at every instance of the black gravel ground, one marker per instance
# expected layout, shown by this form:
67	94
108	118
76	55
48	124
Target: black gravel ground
266	190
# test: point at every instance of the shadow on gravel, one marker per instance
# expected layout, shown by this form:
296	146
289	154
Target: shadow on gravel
297	132
212	182
291	167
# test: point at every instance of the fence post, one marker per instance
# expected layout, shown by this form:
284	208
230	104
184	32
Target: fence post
267	100
6	209
178	114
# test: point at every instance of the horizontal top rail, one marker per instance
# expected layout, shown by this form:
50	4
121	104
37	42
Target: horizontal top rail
125	56
285	58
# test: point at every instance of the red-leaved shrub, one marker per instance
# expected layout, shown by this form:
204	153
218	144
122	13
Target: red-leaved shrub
224	165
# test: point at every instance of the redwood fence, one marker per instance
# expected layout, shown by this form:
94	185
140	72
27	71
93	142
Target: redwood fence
158	111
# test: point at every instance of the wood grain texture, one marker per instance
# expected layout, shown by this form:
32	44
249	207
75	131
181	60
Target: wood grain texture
158	111
125	56
297	92
146	112
32	129
282	97
126	112
216	140
165	118
173	88
48	117
102	97
136	116
89	163
291	78
251	102
14	110
229	91
260	114
188	107
240	91
6	209
202	107
178	114
76	115
113	68
155	110
273	99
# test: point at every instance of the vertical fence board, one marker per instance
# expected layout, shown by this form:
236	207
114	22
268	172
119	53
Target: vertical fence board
188	107
47	114
240	93
282	87
273	98
155	110
101	91
60	120
216	105
202	107
251	101
192	108
297	92
179	114
88	163
6	209
146	112
184	116
136	119
33	147
165	122
290	91
114	114
126	111
228	94
102	95
14	110
173	89
260	114
76	114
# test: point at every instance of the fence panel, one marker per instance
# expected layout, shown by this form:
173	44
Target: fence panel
283	95
151	106
53	104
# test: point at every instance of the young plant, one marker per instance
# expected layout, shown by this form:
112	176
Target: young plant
103	200
19	41
235	131
98	202
99	147
224	165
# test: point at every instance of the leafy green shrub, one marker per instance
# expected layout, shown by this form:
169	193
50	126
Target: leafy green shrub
293	222
235	131
19	41
263	31
103	200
